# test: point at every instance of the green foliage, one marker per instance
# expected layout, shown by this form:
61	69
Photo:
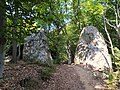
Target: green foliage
57	46
20	20
114	76
112	16
47	72
38	62
62	20
113	79
51	14
47	69
116	57
61	42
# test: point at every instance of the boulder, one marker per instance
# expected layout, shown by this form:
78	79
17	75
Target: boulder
36	48
92	50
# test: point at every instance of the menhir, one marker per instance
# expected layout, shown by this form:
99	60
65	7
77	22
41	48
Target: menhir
36	48
92	50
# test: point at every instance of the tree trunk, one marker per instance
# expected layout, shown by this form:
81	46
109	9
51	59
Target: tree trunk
111	45
2	54
70	53
21	51
2	36
18	52
69	56
14	45
14	54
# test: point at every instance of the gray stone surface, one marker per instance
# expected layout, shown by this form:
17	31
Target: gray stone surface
36	48
92	50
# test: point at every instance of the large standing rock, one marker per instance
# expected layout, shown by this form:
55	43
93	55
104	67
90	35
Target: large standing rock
36	48
92	50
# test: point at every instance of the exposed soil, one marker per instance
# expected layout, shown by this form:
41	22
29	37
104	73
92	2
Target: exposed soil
66	77
75	77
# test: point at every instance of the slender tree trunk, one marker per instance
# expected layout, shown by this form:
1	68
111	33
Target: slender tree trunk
111	45
21	51
117	24
70	54
2	54
2	36
14	54
14	42
116	10
14	45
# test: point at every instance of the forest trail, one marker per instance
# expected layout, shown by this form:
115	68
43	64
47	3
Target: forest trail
73	77
65	77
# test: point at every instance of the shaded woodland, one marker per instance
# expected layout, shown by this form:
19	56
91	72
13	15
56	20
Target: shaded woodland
62	22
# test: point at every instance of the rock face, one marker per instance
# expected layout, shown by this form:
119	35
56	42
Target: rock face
92	50
36	48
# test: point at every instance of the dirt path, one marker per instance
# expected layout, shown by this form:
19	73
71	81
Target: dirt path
66	77
72	77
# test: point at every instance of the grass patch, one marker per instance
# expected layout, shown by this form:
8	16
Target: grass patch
47	72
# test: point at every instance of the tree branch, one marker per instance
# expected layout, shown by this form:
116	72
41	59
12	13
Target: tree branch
109	38
109	23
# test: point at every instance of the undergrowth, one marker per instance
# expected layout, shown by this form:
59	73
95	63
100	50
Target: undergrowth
113	80
47	70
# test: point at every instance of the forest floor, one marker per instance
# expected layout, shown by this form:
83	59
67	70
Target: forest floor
65	77
75	77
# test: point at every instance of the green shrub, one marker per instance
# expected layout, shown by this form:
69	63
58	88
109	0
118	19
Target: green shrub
114	76
47	72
